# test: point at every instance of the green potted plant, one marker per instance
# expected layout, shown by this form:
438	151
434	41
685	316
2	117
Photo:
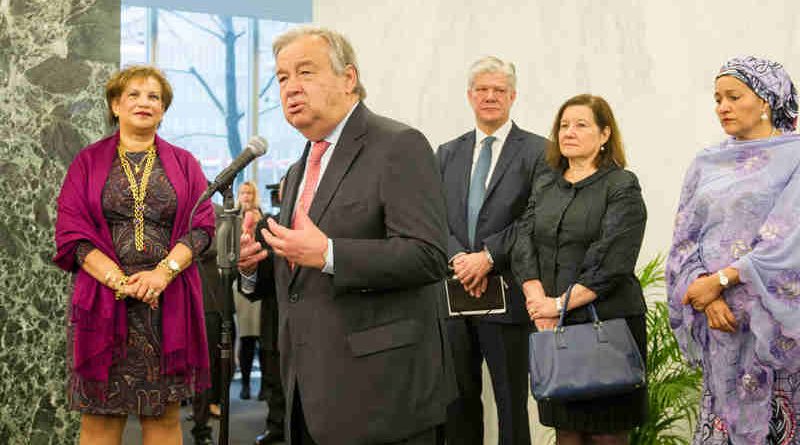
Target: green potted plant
674	388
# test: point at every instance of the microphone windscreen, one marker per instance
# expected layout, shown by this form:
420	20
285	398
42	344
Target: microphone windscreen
257	145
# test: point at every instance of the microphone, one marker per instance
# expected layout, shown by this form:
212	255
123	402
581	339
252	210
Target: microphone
256	147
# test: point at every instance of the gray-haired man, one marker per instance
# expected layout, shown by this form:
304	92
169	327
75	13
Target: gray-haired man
487	175
361	254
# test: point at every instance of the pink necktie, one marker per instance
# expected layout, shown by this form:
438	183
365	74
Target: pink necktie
312	176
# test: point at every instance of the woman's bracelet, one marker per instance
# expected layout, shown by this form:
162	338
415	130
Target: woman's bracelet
109	277
170	266
118	291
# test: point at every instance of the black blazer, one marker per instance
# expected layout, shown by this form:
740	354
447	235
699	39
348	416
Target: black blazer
266	293
521	157
209	272
590	233
366	346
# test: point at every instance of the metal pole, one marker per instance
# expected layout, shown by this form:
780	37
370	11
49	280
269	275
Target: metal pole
227	256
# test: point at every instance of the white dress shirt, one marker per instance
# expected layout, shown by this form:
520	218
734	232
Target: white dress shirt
497	146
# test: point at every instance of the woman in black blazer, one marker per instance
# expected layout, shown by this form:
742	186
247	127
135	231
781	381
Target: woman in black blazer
584	225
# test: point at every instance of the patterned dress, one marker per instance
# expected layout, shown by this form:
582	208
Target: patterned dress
740	207
136	385
785	414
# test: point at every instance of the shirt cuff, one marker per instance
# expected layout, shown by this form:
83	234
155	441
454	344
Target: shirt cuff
453	258
248	282
488	255
328	268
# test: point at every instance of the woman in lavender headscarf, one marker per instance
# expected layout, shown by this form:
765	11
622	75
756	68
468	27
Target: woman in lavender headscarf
733	272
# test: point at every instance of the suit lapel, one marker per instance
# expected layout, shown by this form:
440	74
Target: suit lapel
347	148
507	154
462	165
292	184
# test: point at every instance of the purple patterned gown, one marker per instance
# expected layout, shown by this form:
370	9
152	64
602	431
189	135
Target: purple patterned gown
136	384
740	207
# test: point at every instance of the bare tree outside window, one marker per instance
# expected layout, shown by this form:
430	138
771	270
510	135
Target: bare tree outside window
210	59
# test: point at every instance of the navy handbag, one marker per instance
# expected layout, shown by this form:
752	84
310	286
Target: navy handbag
584	361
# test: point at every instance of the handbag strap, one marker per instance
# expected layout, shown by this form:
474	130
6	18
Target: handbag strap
563	314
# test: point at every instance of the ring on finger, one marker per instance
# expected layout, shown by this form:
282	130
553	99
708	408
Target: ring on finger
150	292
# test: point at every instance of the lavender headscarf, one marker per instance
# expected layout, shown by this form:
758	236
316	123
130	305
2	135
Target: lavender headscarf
770	82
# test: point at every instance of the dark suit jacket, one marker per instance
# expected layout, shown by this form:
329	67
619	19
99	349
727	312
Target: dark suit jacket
267	295
506	196
209	273
589	232
366	346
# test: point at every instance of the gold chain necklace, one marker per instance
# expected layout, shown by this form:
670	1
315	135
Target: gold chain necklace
136	165
139	191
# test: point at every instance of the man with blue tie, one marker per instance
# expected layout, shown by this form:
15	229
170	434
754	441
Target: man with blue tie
487	174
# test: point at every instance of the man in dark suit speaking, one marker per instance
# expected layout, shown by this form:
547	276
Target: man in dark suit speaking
361	259
487	175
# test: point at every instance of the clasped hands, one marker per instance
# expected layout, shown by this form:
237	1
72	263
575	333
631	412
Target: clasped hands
704	294
147	285
304	245
540	307
472	270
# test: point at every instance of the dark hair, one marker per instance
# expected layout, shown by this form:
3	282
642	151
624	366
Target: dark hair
117	83
614	153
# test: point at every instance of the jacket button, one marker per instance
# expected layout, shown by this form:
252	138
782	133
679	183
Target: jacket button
294	298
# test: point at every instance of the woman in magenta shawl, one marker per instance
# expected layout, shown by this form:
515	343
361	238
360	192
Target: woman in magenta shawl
733	272
136	341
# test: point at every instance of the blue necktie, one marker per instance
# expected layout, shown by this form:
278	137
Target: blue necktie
477	187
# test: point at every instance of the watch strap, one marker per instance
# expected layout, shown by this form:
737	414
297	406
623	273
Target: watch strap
724	281
171	266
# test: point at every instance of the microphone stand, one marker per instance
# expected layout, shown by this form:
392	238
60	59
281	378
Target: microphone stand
227	256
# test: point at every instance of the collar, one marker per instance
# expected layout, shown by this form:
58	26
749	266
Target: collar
501	133
334	135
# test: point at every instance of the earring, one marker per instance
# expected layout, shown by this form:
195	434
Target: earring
602	148
764	116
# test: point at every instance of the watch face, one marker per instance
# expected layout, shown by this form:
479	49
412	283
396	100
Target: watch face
723	279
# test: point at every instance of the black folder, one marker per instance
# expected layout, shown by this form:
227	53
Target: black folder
493	301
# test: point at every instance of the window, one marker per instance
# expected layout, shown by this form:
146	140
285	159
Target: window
222	72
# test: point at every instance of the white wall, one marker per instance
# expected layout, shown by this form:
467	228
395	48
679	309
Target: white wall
653	60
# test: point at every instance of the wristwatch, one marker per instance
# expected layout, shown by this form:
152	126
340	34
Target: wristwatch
559	304
170	266
723	279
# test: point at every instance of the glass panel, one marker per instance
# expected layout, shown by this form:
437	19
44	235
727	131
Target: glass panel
285	143
205	58
133	35
208	60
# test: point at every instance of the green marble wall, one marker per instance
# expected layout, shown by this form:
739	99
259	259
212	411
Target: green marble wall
55	56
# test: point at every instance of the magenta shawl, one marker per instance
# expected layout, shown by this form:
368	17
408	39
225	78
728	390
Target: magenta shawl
100	322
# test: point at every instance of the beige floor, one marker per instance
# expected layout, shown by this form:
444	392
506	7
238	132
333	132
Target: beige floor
540	435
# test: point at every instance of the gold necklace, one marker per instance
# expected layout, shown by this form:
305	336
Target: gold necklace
136	165
139	191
